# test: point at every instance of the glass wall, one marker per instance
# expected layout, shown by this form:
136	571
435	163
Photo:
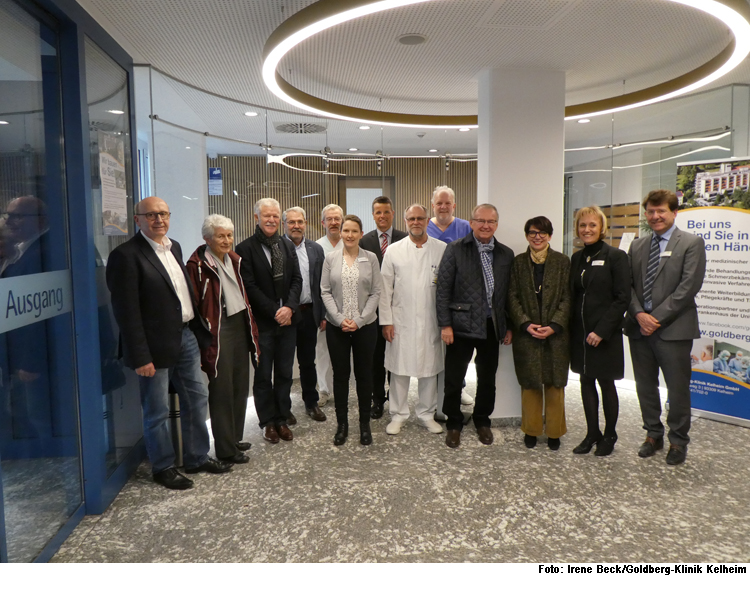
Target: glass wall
112	222
39	428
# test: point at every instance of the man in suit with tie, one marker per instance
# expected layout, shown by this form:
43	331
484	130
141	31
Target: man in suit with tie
160	333
312	314
273	283
377	242
667	272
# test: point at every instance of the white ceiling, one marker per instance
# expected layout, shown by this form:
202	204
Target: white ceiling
606	48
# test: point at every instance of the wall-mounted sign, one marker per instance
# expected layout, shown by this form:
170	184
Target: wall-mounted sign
215	184
32	298
114	184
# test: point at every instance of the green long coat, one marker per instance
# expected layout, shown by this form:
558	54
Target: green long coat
538	361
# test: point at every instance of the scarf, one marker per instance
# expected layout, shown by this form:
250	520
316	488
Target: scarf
539	257
277	259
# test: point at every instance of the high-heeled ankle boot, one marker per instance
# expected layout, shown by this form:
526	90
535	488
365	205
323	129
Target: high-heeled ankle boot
365	436
341	434
585	446
606	445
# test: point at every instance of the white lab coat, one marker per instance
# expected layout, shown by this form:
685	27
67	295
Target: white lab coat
408	303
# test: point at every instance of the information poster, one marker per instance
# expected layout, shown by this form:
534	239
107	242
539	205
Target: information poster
114	184
715	204
215	184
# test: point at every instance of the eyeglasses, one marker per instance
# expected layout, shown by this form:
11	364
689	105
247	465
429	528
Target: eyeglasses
337	219
483	222
535	234
152	215
417	219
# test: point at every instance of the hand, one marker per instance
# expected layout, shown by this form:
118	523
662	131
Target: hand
388	332
446	334
284	316
545	332
648	323
147	371
349	325
322	325
593	339
508	337
27	376
539	332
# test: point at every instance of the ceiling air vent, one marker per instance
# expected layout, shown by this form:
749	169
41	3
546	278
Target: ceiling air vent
299	128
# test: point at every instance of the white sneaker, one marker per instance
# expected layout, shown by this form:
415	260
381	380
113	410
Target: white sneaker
466	400
432	425
394	427
323	398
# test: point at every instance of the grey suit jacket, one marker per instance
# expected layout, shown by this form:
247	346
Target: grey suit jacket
678	279
315	257
368	290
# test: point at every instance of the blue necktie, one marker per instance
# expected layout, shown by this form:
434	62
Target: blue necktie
653	265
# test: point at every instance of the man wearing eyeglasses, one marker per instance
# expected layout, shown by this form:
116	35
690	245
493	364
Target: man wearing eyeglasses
409	323
378	241
472	289
159	331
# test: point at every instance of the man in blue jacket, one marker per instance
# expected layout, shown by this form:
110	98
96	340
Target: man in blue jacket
472	288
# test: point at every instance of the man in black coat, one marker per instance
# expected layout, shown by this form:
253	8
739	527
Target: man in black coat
159	331
472	289
311	310
377	242
273	284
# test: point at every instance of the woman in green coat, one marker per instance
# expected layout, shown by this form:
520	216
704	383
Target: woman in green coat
539	308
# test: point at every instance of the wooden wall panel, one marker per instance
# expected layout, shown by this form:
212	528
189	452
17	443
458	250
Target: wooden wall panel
253	179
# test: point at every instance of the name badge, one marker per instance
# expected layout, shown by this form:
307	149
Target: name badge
666	253
597	263
362	259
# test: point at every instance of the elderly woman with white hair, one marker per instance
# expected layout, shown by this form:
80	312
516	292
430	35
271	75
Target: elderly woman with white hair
214	270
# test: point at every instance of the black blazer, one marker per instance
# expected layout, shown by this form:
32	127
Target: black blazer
258	279
371	242
316	255
146	306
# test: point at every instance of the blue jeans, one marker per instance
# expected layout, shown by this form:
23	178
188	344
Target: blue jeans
193	394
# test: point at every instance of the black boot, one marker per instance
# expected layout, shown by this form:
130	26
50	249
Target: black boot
585	446
606	445
341	434
365	436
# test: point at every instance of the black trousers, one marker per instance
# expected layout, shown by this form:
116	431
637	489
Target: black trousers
307	338
457	359
273	378
228	391
361	344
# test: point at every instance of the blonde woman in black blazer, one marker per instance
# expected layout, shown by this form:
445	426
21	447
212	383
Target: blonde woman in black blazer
350	287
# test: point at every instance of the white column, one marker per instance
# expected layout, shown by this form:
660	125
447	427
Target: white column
520	171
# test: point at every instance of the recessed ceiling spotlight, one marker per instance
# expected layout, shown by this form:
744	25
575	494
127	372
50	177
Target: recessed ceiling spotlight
116	111
464	129
4	123
584	121
251	114
432	150
187	147
224	157
353	149
412	39
364	127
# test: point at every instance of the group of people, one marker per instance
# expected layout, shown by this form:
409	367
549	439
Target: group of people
419	304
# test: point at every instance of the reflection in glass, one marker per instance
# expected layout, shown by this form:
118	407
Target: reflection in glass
39	443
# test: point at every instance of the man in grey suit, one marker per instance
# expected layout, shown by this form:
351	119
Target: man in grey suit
310	256
666	272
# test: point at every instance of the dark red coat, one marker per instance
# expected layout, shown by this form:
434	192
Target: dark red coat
205	281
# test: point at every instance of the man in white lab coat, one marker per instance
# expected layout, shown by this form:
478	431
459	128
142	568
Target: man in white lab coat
408	320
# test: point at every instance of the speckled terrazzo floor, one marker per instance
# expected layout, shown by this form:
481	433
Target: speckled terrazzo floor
409	498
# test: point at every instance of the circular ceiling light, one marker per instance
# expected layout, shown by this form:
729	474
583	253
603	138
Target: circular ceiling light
353	149
584	121
432	150
464	129
364	127
251	114
412	39
325	14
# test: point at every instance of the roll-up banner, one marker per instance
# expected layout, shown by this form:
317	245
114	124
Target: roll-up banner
715	204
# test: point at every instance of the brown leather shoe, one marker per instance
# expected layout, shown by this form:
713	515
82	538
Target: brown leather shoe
485	435
285	432
315	413
291	420
650	447
270	434
453	438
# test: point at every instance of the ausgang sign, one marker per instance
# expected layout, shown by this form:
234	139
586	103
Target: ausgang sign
33	298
